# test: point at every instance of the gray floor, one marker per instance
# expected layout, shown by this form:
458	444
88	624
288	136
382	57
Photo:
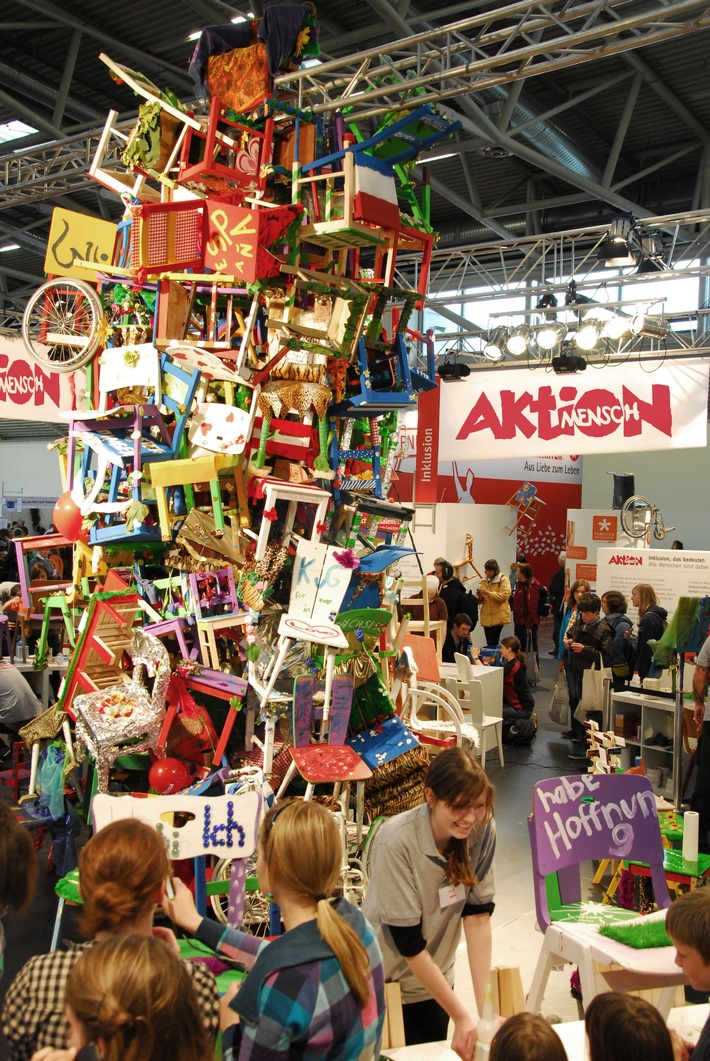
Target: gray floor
516	940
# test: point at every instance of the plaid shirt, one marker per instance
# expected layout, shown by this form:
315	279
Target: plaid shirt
295	1002
33	1016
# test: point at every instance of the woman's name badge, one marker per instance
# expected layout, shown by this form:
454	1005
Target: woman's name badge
450	894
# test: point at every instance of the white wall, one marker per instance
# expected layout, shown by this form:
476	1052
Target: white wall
29	467
676	480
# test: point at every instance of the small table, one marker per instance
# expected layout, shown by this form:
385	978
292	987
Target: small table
53	668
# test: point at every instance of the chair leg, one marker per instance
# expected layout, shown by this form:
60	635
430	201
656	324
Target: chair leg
499	739
587	977
57	925
286	781
536	994
484	746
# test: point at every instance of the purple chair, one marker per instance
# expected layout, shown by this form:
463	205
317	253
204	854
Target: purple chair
576	819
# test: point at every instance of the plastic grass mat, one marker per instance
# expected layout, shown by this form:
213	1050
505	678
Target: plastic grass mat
641	936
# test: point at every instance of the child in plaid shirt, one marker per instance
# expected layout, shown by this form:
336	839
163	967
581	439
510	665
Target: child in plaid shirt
316	992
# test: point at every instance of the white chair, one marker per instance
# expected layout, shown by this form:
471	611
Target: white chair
471	699
422	693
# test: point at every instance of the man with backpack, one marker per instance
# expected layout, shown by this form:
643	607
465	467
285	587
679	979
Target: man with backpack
589	643
454	594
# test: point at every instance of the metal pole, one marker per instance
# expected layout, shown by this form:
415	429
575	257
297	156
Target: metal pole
678	738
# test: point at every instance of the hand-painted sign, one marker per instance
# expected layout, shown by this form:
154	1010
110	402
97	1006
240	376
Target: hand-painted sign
77	237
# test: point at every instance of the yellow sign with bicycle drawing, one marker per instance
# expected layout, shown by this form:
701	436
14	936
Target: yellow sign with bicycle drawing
75	238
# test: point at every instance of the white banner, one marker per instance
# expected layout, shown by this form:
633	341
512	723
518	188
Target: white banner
541	414
27	392
673	573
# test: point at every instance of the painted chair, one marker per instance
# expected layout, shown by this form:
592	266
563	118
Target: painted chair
423	696
590	817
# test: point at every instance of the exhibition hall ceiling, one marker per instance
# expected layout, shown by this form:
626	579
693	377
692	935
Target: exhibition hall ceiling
572	112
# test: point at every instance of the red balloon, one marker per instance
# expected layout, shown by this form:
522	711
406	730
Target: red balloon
168	775
68	518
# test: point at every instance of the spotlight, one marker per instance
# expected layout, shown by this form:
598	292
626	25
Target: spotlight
652	256
650	327
615	251
587	335
550	335
617	327
495	346
518	340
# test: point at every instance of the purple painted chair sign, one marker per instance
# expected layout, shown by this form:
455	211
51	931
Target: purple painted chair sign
592	816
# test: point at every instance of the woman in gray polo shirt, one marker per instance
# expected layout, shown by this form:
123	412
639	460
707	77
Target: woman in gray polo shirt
432	874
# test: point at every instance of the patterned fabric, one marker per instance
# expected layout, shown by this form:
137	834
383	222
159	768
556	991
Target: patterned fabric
240	78
33	1015
295	1002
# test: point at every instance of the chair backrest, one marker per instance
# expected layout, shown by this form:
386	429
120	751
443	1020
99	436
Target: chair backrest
178	394
592	816
464	667
129	367
305	712
226	826
423	651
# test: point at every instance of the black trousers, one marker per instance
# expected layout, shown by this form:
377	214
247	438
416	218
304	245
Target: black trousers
492	635
700	800
424	1022
521	632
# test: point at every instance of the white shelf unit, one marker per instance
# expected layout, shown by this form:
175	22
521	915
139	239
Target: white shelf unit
654	715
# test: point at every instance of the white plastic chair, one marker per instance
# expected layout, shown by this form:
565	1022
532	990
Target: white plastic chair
422	690
470	697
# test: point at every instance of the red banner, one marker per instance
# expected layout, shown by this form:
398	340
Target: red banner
427	447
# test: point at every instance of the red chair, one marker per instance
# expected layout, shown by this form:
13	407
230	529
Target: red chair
18	774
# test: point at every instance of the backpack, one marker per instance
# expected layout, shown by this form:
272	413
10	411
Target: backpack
543	602
469	605
522	732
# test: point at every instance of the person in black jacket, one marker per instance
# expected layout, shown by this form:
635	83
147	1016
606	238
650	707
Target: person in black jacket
589	642
557	600
614	608
518	701
457	639
652	623
454	595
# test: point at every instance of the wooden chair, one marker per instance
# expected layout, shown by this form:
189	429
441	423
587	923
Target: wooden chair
125	717
419	600
528	506
325	758
590	817
192	827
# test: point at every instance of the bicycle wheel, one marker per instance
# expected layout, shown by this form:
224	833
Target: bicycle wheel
257	907
636	516
61	324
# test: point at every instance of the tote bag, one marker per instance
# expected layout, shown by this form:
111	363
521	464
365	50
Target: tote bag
559	706
531	663
592	698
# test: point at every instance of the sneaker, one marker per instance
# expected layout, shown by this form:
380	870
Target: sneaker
579	753
570	734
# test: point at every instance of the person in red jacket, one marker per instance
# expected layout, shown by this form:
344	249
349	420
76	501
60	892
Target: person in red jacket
526	598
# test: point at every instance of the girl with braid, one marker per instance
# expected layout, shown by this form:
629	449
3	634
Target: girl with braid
316	992
432	876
